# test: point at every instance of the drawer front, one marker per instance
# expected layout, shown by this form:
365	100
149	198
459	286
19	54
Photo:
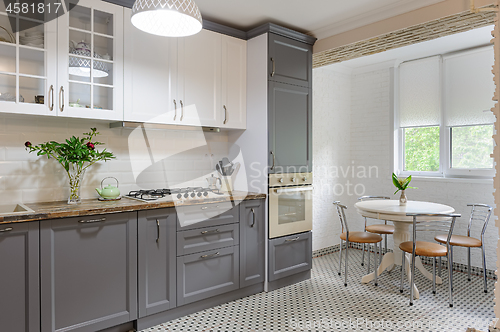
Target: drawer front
206	215
208	238
203	275
290	255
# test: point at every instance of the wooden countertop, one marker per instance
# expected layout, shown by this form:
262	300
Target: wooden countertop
88	207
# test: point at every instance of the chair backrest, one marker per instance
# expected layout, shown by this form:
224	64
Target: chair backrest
480	213
343	220
365	198
433	222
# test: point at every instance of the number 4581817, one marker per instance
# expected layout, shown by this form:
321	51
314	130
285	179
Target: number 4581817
33	8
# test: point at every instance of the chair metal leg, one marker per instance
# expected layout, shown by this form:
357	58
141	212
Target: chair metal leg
368	253
439	268
379	253
450	275
412	278
363	256
450	266
468	264
346	251
340	257
434	275
402	271
385	243
375	268
484	269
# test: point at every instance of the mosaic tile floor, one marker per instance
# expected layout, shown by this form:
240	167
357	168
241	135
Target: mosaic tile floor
324	304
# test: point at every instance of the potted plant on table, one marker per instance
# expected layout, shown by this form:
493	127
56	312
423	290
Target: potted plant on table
402	184
75	155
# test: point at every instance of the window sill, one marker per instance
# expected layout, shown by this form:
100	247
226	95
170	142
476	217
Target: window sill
452	180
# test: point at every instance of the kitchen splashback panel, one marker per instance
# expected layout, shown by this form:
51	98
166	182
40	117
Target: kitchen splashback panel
166	158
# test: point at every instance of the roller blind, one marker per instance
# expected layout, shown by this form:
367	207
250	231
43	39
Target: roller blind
420	92
469	88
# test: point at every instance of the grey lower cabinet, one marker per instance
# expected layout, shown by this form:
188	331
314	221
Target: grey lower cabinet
19	277
252	242
289	255
156	261
290	61
88	272
290	128
206	274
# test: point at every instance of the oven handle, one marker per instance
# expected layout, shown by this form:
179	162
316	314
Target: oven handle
289	190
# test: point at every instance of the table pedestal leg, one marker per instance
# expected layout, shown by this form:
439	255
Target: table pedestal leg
387	261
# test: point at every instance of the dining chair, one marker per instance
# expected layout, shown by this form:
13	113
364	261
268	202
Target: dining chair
356	237
381	229
480	213
428	222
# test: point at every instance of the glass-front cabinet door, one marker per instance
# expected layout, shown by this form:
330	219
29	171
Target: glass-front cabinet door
90	50
27	64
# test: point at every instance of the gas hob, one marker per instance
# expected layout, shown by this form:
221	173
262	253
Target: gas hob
175	194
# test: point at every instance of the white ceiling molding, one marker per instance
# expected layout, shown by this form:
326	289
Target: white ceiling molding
379	14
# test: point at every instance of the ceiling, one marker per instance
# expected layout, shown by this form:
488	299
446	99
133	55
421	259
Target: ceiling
319	18
444	45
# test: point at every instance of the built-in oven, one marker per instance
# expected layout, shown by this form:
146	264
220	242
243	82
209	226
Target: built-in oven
290	203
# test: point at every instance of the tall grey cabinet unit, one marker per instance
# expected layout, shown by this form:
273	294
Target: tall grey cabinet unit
19	277
88	272
252	242
156	261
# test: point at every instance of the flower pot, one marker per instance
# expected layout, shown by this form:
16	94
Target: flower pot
403	200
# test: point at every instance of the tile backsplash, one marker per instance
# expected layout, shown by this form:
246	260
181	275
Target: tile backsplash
144	158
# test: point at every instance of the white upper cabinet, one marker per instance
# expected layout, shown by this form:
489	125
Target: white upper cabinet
234	83
90	61
150	76
28	61
70	66
199	79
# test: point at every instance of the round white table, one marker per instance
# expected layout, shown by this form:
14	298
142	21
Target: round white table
390	210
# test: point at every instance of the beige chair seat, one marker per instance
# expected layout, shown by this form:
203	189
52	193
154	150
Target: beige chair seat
361	237
423	248
459	240
380	229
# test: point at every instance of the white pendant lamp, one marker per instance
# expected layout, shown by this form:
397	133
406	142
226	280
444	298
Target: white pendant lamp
169	18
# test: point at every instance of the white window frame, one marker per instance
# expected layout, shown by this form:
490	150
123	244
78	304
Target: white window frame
445	169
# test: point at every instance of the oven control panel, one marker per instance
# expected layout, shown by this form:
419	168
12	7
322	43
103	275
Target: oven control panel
290	179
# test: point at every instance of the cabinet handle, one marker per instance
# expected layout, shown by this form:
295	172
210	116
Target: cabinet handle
274	67
182	110
253	217
8	229
51	93
274	160
61	93
204	207
212	231
175	109
91	221
225	114
212	255
157	231
294	239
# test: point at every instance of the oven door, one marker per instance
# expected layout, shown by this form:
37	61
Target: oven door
290	210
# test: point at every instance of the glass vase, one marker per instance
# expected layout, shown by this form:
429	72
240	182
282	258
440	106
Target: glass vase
403	200
75	175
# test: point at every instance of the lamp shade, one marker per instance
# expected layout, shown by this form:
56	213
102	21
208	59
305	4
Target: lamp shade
80	66
169	18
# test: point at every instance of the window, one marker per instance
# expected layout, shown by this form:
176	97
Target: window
445	123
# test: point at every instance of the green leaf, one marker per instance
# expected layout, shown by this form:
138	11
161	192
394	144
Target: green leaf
395	181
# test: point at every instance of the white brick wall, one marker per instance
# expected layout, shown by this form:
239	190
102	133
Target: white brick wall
25	177
369	144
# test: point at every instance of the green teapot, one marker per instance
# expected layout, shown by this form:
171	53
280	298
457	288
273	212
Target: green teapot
109	192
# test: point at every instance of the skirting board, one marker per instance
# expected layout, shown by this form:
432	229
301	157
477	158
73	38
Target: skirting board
459	267
290	280
162	317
